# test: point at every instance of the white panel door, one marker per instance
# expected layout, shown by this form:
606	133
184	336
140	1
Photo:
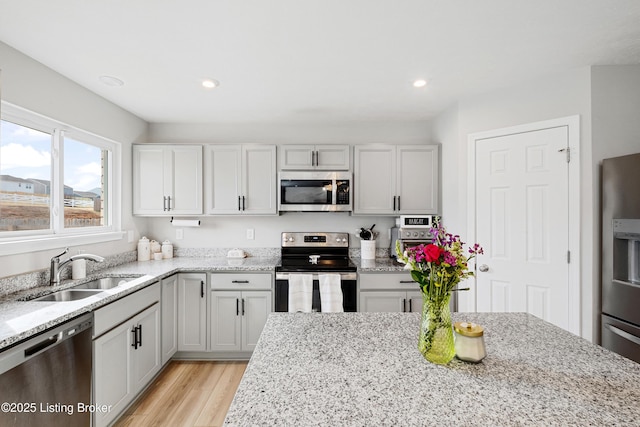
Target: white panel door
417	179
222	178
383	302
186	179
256	306
149	180
226	321
259	179
374	176
522	221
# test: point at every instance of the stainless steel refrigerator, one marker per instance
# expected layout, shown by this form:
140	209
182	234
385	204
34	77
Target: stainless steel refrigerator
620	203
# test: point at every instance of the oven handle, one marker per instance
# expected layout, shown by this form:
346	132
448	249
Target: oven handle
343	276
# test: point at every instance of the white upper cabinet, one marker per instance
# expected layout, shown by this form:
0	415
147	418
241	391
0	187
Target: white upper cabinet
240	179
167	180
390	179
318	157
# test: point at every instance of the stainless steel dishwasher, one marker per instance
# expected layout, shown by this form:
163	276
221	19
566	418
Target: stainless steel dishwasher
46	380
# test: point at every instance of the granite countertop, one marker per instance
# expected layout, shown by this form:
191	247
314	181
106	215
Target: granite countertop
377	265
21	319
362	369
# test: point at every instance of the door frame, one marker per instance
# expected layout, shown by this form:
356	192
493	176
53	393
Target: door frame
573	127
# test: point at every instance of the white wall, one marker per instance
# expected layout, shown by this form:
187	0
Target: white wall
31	85
550	97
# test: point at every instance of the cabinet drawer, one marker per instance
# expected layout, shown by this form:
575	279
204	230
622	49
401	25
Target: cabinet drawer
118	311
241	281
392	281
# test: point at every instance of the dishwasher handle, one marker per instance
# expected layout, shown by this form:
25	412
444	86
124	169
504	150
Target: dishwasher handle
47	342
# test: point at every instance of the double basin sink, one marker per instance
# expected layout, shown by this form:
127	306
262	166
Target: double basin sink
85	290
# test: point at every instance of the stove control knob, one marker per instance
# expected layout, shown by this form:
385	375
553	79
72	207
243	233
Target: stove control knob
291	239
415	234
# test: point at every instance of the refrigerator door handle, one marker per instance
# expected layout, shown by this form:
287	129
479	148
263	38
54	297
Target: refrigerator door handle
624	334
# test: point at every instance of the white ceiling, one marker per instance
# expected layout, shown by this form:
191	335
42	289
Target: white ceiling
314	60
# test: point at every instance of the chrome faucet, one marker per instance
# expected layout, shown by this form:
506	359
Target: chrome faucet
57	266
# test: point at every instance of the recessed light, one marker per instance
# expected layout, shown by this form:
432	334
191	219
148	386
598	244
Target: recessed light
210	83
111	81
419	83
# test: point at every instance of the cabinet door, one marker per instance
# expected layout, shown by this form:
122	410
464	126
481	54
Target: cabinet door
382	301
145	355
185	184
256	307
374	176
333	157
296	157
414	302
149	180
222	179
259	179
226	321
192	312
169	317
112	373
417	178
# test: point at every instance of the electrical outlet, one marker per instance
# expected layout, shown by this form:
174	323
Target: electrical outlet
130	236
250	233
179	234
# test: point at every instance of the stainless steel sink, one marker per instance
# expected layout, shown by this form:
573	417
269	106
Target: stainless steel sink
68	295
105	283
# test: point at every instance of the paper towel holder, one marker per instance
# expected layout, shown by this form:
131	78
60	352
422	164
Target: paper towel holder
185	222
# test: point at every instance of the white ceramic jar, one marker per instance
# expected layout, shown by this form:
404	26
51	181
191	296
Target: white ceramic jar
155	246
469	342
167	249
144	249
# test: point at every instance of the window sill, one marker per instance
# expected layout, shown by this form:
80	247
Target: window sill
42	243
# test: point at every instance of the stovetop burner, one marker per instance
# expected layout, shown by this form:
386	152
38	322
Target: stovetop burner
303	252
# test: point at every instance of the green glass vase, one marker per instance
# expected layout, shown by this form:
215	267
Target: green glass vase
436	333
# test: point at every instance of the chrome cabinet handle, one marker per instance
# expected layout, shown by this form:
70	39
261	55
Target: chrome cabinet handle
239	281
243	207
398	202
164	203
483	268
168	203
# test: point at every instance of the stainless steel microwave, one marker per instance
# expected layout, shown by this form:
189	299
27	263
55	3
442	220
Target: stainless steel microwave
307	191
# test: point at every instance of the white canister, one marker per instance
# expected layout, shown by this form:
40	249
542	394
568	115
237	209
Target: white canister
144	249
368	249
167	249
155	246
469	342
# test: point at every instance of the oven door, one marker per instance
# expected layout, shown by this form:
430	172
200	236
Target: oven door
348	282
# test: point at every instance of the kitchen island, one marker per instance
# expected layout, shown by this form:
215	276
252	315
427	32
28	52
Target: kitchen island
357	369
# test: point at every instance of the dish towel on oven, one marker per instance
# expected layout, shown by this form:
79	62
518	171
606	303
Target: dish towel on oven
300	293
330	293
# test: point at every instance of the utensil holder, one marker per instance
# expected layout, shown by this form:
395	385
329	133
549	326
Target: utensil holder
368	249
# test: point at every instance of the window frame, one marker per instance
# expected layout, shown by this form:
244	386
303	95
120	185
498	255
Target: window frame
57	235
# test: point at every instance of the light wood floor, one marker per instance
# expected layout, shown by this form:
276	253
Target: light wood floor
187	394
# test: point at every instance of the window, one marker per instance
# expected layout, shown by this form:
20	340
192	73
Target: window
55	180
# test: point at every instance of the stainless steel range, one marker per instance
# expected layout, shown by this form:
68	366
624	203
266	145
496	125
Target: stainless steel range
316	254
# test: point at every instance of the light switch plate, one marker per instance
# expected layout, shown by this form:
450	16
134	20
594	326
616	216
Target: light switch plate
179	234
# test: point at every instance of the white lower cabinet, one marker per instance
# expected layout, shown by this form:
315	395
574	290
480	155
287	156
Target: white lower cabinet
389	292
240	305
192	312
126	351
169	317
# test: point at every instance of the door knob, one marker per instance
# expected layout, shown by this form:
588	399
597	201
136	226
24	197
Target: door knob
483	268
